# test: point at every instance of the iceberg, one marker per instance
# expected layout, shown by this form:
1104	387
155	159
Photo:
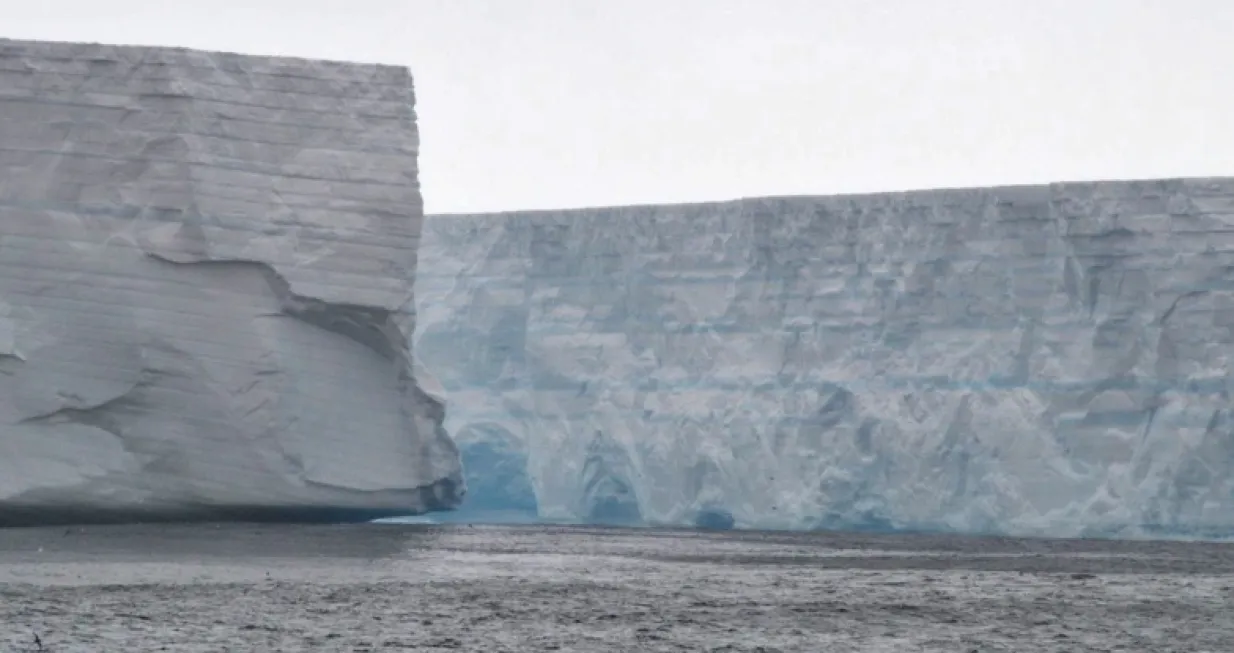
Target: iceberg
206	290
1037	360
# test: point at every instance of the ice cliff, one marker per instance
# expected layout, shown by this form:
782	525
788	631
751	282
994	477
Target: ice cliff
206	268
1034	360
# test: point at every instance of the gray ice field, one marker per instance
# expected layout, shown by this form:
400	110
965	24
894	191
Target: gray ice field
416	587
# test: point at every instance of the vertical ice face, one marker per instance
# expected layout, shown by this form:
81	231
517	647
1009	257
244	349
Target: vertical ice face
206	269
1049	359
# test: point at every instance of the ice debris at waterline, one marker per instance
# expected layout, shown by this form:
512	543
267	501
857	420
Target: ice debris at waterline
1032	360
206	268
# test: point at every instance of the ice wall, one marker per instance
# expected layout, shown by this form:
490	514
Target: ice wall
206	267
1037	360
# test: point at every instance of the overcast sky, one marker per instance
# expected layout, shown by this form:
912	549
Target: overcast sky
556	103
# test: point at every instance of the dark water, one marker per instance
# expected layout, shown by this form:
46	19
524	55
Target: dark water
536	588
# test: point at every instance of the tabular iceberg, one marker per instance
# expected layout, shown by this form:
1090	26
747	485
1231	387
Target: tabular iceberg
206	269
1052	360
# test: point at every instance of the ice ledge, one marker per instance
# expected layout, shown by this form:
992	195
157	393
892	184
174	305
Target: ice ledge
206	281
1046	360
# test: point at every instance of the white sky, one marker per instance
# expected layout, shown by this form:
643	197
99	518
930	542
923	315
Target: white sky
555	103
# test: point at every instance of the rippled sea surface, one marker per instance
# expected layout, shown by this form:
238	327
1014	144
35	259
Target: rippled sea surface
527	588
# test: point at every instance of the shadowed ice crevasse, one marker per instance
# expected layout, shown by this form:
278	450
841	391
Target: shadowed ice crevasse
1033	360
206	269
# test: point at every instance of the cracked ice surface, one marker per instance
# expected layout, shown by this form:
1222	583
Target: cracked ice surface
1034	360
206	267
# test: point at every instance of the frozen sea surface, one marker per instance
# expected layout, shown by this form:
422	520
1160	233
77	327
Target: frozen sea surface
535	588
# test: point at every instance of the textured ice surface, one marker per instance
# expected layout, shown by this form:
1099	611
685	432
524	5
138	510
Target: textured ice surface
206	267
1050	359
